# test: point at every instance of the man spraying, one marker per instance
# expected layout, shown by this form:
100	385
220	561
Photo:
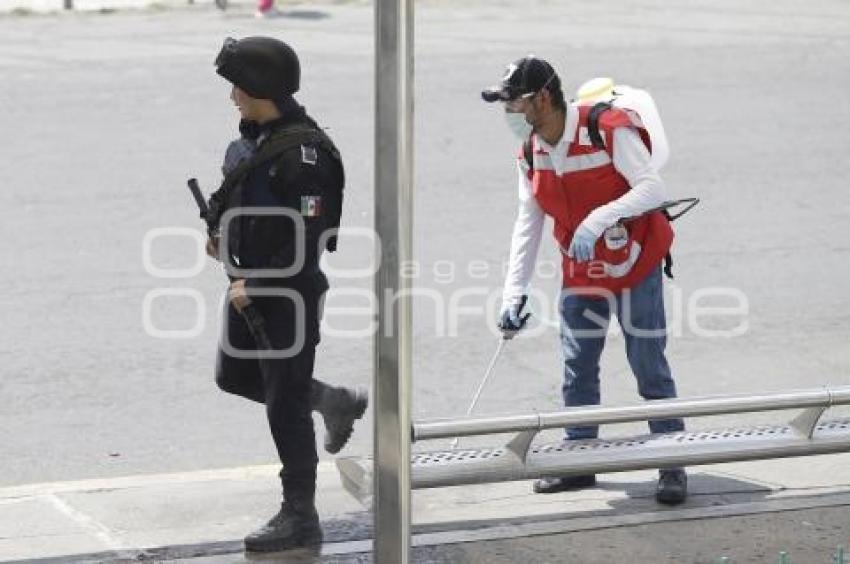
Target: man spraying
590	168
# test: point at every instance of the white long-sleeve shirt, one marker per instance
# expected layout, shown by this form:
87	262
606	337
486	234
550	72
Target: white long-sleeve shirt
631	159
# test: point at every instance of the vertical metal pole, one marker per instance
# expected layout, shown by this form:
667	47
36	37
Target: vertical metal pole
393	223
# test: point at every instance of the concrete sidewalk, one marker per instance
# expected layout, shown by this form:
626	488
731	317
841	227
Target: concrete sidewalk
200	517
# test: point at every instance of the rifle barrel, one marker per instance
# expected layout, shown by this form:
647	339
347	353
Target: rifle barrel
199	197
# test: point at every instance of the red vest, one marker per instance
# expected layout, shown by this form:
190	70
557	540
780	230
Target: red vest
621	260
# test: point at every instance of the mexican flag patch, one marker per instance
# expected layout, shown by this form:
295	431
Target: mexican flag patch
311	206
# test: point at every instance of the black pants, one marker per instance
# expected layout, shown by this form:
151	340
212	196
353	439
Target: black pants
282	384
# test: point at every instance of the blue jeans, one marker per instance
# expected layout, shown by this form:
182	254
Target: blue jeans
584	323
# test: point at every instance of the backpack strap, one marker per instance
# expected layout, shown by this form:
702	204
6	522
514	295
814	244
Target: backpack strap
528	153
593	123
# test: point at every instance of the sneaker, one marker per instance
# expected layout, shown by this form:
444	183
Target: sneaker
569	483
340	408
672	486
267	14
289	529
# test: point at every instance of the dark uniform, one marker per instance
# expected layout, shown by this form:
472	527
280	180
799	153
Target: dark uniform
291	167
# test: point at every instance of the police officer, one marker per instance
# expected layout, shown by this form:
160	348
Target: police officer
588	180
285	163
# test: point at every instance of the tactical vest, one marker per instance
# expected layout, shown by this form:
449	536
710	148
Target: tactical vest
280	140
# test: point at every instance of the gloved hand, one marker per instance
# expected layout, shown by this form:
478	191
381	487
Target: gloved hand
512	320
581	247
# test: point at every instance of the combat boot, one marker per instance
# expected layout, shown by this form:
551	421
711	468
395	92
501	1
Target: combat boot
296	526
340	408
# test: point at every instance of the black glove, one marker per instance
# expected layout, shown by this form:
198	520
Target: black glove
512	320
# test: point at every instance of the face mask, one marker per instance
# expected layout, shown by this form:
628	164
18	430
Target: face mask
518	125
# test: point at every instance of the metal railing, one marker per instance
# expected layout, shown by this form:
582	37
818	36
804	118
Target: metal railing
519	459
819	399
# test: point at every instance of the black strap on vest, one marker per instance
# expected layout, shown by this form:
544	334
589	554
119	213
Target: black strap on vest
528	153
279	142
593	123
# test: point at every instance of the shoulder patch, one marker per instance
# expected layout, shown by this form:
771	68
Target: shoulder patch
309	155
311	206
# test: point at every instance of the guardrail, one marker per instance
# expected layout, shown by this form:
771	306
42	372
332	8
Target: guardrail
658	409
519	459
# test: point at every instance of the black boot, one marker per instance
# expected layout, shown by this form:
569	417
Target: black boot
295	526
672	486
340	408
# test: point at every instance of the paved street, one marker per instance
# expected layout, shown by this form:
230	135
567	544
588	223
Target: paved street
103	117
746	511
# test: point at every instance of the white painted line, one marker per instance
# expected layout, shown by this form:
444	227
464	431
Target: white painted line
95	528
143	480
13	500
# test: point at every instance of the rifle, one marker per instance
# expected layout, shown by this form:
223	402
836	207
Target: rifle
199	199
256	323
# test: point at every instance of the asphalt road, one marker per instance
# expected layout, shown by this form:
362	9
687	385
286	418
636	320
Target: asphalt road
103	117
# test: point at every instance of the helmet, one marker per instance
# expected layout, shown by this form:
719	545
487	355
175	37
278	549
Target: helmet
263	67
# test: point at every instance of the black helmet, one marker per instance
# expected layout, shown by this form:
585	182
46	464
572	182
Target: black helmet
263	67
525	76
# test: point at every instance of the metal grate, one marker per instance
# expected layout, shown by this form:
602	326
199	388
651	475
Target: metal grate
591	444
471	456
455	456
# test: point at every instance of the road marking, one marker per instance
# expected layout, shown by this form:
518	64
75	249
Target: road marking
94	527
142	480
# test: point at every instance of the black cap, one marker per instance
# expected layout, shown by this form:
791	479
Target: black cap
528	75
263	67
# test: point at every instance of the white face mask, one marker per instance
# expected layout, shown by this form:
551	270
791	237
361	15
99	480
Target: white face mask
518	125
